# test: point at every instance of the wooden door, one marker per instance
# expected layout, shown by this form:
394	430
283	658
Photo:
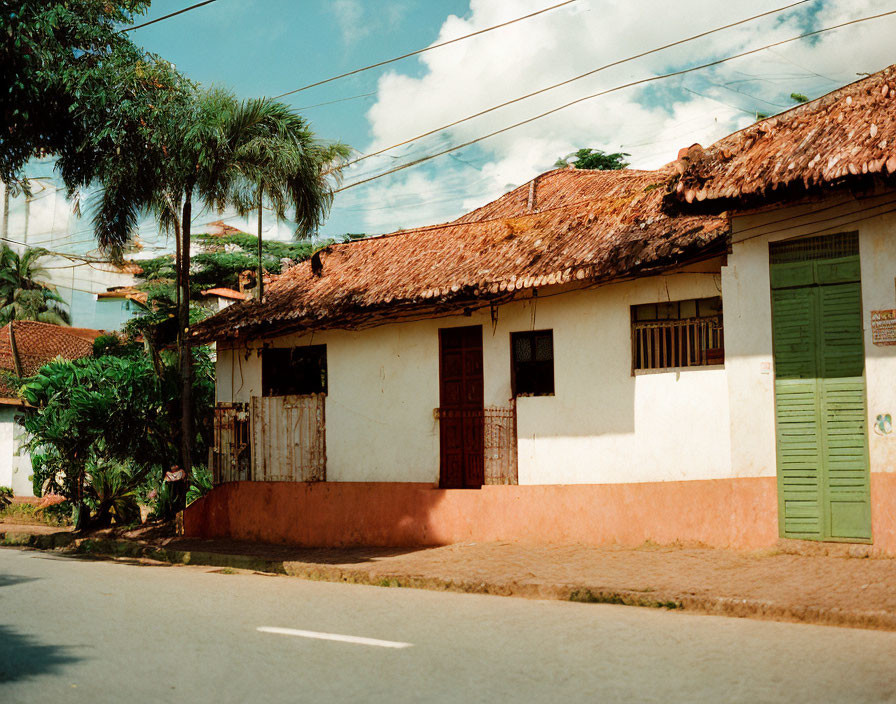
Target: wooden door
462	413
823	490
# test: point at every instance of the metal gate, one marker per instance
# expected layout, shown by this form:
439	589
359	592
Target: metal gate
499	440
500	445
231	460
289	438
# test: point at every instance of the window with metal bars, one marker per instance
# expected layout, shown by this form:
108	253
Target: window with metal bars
533	363
677	334
804	249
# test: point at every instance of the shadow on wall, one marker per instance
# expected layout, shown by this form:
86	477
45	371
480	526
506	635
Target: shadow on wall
22	656
373	514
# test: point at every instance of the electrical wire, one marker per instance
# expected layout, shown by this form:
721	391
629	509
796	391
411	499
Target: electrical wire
340	100
420	51
165	17
612	64
630	84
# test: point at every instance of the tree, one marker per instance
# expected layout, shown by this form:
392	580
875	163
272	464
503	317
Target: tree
125	414
222	258
217	152
22	296
63	67
594	159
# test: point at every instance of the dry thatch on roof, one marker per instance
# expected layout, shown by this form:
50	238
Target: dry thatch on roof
566	226
846	135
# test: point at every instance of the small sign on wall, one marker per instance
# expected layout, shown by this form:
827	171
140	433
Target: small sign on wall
883	327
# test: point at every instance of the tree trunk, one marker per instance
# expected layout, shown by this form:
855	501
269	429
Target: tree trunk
14	348
184	356
5	210
81	514
260	283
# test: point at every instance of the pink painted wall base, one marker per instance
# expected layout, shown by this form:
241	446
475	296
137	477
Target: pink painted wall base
727	513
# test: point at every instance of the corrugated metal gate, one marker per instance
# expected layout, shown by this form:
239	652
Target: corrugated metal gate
289	438
231	459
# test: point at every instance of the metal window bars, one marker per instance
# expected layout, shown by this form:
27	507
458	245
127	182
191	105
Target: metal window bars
671	344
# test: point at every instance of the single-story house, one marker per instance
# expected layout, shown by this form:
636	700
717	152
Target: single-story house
697	353
220	297
37	344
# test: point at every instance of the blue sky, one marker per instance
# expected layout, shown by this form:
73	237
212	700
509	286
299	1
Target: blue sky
266	47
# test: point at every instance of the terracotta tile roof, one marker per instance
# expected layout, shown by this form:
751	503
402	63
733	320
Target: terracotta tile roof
226	293
848	134
566	226
39	343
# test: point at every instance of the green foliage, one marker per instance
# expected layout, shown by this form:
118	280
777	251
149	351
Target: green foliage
114	345
103	427
799	98
223	260
161	267
73	85
594	159
200	484
113	492
22	297
5	496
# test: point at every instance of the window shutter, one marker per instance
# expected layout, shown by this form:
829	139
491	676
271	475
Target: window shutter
799	445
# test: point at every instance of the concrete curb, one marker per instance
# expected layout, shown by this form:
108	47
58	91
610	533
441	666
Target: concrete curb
712	605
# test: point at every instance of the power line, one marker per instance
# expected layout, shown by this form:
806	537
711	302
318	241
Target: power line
579	77
165	17
630	84
340	100
420	51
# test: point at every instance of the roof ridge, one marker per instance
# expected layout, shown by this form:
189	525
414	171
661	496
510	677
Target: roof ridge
807	106
459	223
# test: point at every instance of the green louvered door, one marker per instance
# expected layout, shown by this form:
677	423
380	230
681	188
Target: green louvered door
820	390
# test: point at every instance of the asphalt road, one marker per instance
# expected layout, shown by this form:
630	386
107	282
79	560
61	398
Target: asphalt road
73	630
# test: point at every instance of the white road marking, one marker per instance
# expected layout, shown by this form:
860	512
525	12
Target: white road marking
334	636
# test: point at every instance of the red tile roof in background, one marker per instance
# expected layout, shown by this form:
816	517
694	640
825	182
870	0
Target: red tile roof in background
39	343
226	293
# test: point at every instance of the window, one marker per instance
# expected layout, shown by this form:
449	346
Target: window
533	363
676	334
287	371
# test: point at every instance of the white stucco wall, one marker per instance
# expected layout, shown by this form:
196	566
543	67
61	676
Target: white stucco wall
15	464
748	322
603	425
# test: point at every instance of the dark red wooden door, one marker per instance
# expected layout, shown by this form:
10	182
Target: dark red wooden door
461	408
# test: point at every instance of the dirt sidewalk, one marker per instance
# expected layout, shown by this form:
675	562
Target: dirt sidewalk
833	586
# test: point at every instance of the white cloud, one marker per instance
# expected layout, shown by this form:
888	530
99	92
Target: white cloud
651	123
350	18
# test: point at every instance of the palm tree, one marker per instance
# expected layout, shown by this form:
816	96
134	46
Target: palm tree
22	296
219	152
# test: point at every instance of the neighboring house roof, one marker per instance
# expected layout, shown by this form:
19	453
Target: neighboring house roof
849	134
39	343
566	226
131	293
225	293
221	229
